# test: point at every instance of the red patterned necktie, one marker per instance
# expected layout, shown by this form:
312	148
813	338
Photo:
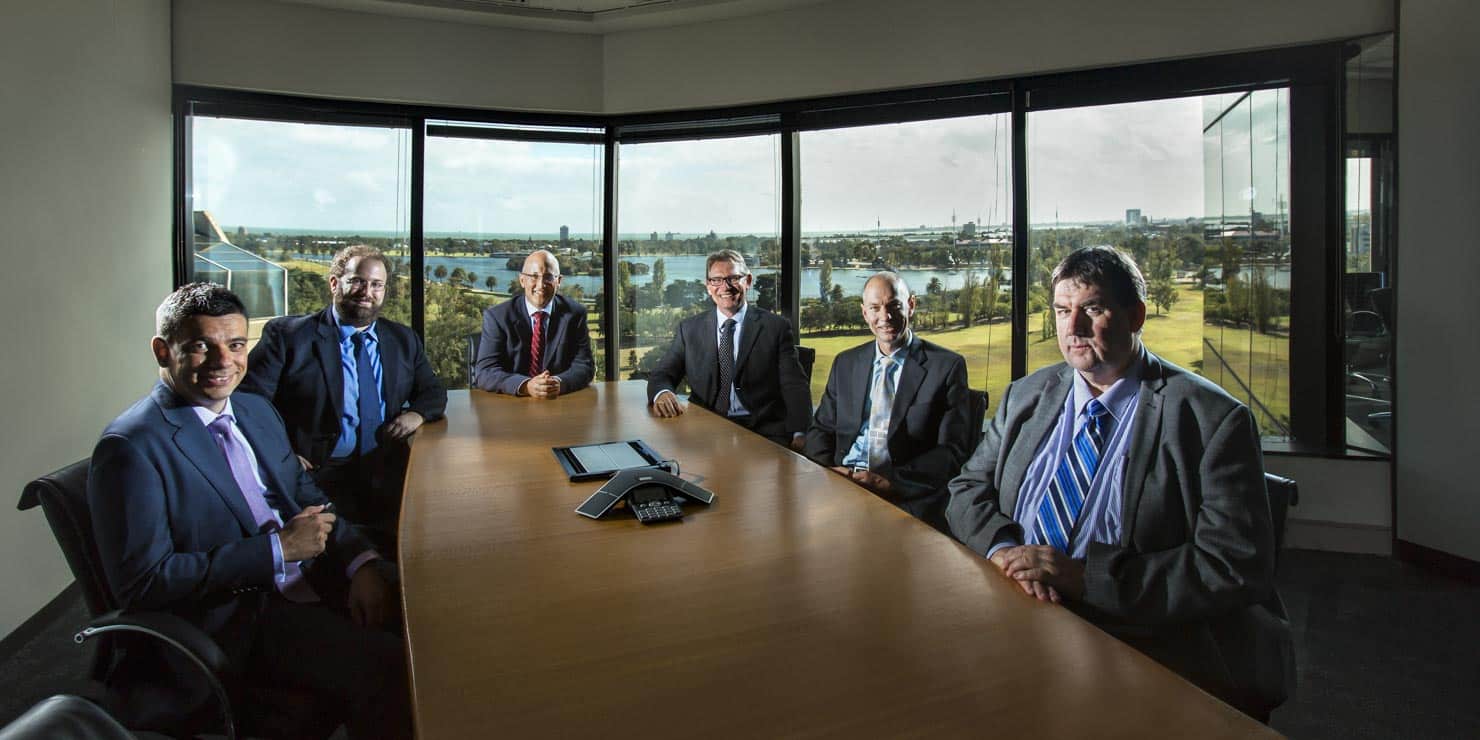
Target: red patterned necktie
537	345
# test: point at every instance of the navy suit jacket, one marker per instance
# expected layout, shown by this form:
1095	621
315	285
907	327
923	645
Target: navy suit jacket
173	529
928	425
768	376
503	351
296	365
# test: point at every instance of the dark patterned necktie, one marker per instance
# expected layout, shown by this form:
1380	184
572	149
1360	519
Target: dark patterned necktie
537	345
726	366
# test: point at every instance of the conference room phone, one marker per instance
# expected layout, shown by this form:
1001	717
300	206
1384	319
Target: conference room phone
652	495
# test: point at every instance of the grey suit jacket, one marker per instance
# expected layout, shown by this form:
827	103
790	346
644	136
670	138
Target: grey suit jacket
1191	581
928	424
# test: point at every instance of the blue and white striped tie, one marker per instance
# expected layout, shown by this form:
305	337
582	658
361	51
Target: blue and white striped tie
1060	507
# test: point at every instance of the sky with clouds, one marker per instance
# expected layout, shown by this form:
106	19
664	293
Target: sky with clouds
1086	164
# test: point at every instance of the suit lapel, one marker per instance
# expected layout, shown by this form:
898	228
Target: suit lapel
861	376
748	336
196	445
326	351
522	327
916	369
1034	431
708	346
1144	443
390	349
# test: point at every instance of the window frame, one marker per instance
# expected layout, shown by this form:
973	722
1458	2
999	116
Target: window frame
1314	73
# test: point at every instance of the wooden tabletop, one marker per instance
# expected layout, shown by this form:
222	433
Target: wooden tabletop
798	605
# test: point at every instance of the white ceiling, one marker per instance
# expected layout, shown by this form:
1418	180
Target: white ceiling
579	16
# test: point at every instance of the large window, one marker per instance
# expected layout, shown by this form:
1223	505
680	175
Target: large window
1221	175
489	203
1197	190
269	202
931	200
679	201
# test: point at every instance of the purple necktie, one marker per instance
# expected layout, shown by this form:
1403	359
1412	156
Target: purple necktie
293	587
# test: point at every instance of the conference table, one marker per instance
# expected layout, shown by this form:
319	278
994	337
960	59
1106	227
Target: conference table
797	605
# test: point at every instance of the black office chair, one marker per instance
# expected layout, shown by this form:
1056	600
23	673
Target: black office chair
62	496
65	717
473	341
808	357
977	402
1283	493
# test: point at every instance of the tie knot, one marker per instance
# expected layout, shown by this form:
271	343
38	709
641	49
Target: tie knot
729	325
885	361
222	424
358	338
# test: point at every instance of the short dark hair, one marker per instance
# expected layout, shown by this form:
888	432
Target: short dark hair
725	255
194	299
364	251
1107	268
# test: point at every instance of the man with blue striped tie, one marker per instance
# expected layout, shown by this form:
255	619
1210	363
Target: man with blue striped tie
1132	491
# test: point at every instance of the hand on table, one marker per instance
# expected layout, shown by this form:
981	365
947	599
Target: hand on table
1042	571
403	426
544	386
667	405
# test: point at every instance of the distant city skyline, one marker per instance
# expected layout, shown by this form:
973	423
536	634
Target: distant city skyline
1088	165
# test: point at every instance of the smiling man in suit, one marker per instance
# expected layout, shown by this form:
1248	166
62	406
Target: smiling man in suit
1133	492
352	388
894	415
201	509
740	361
536	344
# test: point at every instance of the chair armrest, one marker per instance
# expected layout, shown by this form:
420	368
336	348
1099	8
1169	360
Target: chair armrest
182	636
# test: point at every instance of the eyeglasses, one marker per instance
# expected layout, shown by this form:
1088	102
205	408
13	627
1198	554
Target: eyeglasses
733	281
549	278
357	283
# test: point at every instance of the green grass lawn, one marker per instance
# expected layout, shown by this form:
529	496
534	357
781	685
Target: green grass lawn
1176	335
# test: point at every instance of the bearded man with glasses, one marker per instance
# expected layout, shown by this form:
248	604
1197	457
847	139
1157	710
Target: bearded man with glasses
739	360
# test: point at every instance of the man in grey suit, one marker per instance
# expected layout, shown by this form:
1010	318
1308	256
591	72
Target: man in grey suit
1132	491
894	415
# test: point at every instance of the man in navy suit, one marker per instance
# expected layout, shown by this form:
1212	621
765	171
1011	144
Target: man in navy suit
536	344
352	387
201	509
758	383
894	415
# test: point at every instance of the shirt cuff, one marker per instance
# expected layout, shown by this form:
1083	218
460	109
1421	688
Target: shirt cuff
1003	539
279	565
659	394
361	559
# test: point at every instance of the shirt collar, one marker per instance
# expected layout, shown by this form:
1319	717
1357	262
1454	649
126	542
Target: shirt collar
545	309
345	331
739	316
1118	396
207	416
900	354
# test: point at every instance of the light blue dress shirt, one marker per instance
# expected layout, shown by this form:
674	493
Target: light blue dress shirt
1099	520
857	456
349	416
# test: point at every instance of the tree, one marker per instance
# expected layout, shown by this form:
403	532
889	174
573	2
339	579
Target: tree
660	276
490	281
824	279
765	288
934	287
440	273
1163	294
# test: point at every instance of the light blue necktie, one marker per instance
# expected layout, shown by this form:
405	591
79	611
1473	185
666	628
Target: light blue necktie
1060	507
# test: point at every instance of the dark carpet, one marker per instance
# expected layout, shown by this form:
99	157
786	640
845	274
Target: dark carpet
1386	650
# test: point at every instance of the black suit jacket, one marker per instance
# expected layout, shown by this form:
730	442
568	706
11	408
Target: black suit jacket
503	352
296	365
1191	581
174	532
768	376
928	423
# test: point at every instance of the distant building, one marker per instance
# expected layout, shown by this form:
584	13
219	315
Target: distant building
653	237
1133	217
564	236
969	229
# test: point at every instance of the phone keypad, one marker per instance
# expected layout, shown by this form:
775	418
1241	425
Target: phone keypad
656	511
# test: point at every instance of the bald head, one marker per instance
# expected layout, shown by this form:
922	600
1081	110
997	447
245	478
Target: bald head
887	309
540	277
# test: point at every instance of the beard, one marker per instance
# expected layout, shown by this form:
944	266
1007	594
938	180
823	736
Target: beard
355	314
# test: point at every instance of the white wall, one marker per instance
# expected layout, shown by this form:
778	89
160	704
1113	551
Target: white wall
85	203
859	45
1438	411
297	49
